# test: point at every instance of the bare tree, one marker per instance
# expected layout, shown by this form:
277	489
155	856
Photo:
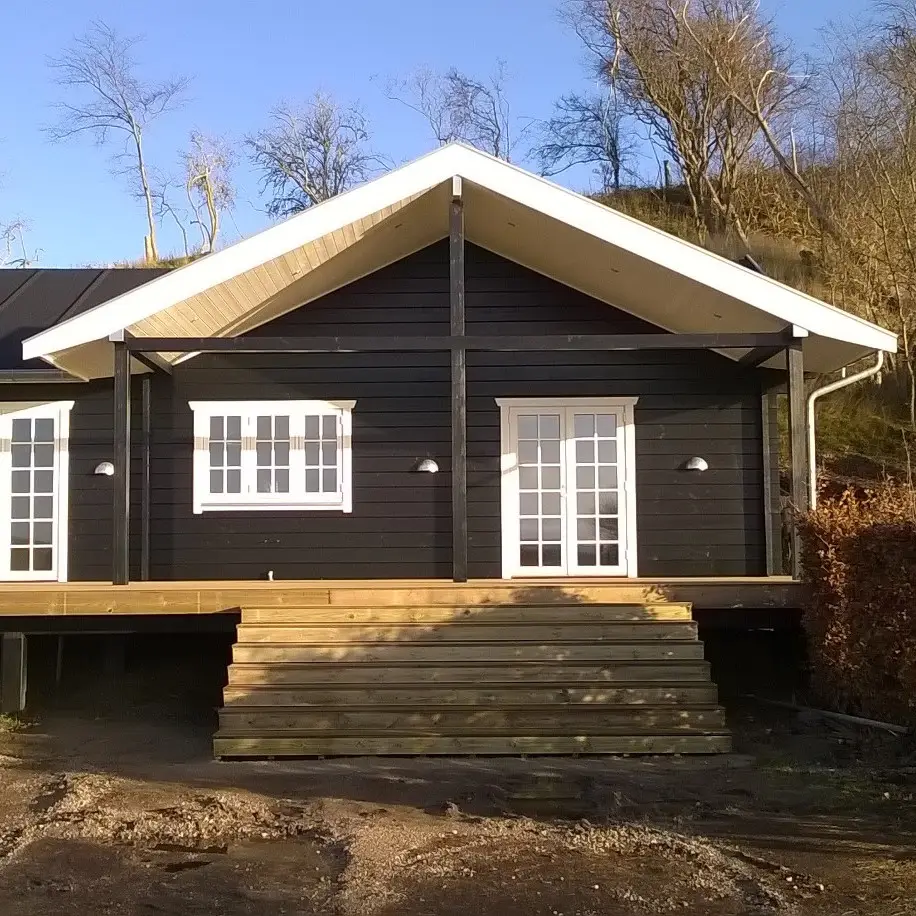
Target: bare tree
311	153
209	162
166	191
584	130
110	99
869	107
648	50
13	249
457	106
761	80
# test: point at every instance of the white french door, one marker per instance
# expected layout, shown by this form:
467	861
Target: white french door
34	468
568	501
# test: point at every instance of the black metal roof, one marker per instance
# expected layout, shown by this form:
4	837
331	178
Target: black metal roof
33	300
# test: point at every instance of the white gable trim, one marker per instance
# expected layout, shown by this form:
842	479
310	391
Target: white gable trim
157	295
540	195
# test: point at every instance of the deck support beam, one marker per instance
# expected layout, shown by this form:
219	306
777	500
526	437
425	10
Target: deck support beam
152	362
759	355
459	388
798	445
120	557
13	665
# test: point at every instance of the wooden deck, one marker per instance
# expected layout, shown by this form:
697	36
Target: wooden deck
433	667
77	599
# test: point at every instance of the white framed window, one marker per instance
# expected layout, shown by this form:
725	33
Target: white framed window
282	455
34	490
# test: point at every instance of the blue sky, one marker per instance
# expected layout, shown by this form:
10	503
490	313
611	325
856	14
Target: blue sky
245	57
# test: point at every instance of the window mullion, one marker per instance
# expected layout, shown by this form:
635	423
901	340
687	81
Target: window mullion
249	454
6	475
297	456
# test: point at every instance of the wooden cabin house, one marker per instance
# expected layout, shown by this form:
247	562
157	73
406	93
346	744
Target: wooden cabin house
462	447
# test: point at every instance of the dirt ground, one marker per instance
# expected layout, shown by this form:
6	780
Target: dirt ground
116	807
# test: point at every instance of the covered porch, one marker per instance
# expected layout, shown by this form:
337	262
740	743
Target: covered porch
690	299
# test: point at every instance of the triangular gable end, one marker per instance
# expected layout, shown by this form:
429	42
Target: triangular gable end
570	238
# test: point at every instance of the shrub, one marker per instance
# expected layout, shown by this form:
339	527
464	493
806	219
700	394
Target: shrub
859	562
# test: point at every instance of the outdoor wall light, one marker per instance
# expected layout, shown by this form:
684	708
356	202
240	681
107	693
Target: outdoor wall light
427	466
104	469
696	464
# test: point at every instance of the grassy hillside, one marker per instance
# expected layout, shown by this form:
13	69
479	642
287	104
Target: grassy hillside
863	434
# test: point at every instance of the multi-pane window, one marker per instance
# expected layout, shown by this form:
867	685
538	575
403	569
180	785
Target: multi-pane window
272	454
33	490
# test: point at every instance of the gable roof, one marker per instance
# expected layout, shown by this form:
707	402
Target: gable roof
656	276
33	300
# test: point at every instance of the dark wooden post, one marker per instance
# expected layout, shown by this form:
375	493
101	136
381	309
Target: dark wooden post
459	389
772	527
145	486
13	662
120	556
798	444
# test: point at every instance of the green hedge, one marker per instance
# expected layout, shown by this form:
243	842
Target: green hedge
859	562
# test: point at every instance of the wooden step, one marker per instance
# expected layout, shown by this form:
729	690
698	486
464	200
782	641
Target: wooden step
555	719
648	694
227	744
472	594
488	668
475	672
466	632
490	614
506	653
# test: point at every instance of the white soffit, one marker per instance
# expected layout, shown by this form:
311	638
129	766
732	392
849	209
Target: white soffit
566	236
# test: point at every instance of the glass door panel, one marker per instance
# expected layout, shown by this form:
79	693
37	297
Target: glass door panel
539	451
594	522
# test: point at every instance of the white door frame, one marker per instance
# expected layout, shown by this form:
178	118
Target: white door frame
59	411
509	479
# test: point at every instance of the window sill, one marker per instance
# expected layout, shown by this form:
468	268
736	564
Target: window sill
272	507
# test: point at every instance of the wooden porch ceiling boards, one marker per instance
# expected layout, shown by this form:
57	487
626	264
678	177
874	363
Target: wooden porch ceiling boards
76	599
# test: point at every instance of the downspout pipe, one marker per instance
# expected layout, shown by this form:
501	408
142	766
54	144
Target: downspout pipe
813	398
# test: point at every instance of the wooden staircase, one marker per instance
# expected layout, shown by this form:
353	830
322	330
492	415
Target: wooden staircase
446	678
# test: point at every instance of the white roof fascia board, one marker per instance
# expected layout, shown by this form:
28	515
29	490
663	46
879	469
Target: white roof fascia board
502	178
199	276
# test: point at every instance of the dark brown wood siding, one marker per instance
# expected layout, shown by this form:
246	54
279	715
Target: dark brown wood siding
401	520
690	403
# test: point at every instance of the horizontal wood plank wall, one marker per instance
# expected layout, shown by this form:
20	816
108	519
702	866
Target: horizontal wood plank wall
401	520
691	403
